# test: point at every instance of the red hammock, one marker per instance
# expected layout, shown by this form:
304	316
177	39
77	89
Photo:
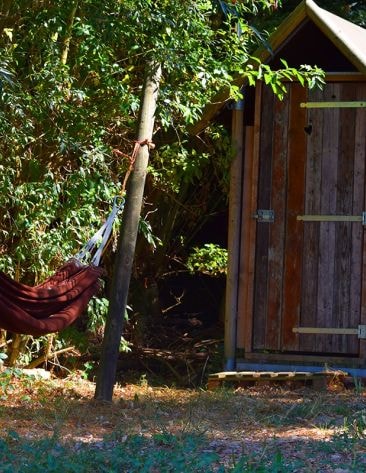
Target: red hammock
62	298
51	306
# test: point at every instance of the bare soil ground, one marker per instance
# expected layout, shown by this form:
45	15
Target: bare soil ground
272	427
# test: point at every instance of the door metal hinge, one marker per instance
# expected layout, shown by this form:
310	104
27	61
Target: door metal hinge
333	218
361	104
264	216
360	331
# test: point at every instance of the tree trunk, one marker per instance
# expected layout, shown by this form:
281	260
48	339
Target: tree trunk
68	33
127	240
16	348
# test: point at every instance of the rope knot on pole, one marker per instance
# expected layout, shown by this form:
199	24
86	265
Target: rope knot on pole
132	158
147	142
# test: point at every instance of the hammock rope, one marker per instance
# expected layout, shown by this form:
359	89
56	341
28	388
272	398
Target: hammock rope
57	302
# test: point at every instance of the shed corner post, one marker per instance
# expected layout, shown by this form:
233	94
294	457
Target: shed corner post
234	226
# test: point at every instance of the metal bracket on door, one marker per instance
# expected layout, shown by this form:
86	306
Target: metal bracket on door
333	218
264	216
360	331
333	104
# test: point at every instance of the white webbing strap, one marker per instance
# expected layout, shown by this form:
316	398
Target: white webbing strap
101	237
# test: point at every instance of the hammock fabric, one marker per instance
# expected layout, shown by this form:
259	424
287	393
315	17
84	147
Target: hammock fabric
51	306
61	299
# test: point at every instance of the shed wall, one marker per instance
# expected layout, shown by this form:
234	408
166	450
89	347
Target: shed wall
295	273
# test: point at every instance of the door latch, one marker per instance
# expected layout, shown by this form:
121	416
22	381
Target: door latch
264	216
361	332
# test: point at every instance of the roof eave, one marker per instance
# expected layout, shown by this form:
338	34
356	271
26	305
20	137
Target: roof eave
336	35
277	38
307	9
283	32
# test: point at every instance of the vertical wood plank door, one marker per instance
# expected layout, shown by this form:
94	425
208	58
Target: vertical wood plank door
310	273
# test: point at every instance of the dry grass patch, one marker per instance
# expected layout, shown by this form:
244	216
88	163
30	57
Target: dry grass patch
261	424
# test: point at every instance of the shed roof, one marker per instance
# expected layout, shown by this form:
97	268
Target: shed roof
349	38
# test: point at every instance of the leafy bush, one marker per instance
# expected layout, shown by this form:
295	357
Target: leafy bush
210	259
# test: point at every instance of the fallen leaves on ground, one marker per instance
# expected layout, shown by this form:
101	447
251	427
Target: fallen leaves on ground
319	432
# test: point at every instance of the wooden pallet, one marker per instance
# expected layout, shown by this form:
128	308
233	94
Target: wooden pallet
318	380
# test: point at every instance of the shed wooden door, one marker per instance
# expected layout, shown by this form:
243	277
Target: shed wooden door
310	274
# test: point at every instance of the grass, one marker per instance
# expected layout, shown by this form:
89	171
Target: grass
52	426
160	453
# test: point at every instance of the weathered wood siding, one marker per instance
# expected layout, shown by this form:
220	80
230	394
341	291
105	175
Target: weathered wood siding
309	274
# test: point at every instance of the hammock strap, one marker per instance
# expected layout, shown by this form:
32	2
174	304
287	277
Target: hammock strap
100	237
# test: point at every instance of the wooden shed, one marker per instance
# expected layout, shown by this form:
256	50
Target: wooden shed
296	288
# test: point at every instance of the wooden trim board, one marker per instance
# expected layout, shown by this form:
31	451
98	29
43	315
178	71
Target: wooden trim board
356	371
288	358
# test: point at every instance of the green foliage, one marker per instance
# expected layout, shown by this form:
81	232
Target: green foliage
32	347
7	385
146	230
162	452
70	91
211	259
61	119
96	317
88	367
354	427
97	313
275	78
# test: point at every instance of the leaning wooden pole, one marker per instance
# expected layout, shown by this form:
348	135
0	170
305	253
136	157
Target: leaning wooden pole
127	240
